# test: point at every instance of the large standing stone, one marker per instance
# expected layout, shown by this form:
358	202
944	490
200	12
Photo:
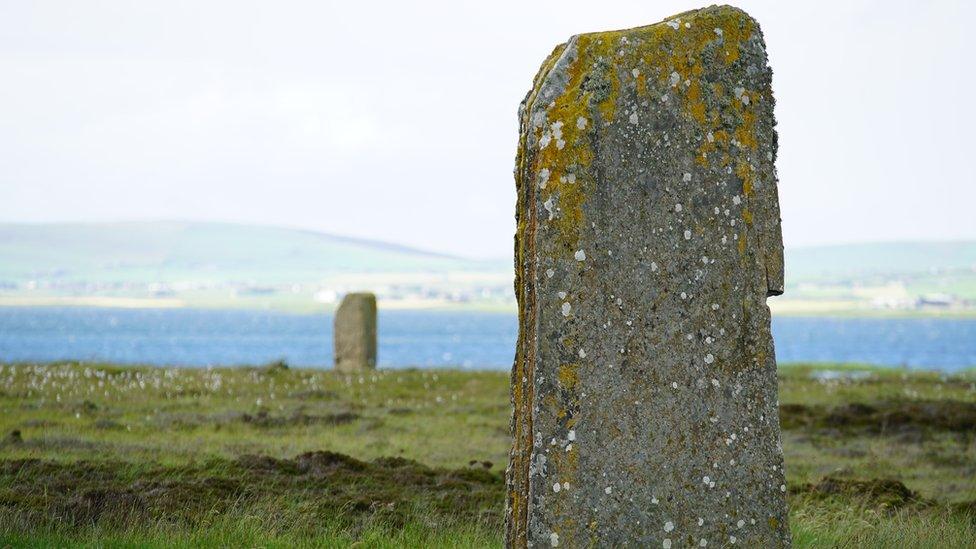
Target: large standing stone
648	239
355	333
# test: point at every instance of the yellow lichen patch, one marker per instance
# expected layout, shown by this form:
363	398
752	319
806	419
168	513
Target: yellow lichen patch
598	49
747	215
550	402
568	376
566	157
745	134
695	104
744	171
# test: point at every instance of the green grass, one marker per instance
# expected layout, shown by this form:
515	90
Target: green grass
114	456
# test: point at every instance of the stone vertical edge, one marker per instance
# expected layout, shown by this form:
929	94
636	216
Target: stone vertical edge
523	368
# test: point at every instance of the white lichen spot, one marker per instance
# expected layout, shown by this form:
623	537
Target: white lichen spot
732	540
701	521
684	295
710	137
635	72
581	123
741	95
608	490
703	542
718	31
562	295
544	140
705	480
580	255
686	177
548	205
674	24
556	487
666	543
687	234
543	177
567	308
674	79
654	500
741	523
709	358
677	207
736	200
668	526
550	273
687	25
653	266
674	384
560	144
554	539
565	486
782	487
715	382
633	118
571	178
582	353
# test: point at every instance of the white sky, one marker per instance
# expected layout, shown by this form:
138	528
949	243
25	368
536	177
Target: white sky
398	121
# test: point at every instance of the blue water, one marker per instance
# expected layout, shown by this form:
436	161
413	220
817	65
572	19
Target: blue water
413	338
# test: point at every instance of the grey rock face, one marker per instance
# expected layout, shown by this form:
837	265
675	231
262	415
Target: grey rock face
355	333
644	385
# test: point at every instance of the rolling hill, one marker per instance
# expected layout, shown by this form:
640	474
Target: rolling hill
211	252
221	264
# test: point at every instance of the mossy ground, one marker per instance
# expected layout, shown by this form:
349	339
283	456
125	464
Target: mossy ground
103	455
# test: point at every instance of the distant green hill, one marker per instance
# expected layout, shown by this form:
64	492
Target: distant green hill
167	251
230	265
860	261
217	252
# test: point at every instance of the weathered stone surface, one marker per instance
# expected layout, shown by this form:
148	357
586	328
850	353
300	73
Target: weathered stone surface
355	333
648	239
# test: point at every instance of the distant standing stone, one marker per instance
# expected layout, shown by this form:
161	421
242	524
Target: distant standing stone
644	385
355	333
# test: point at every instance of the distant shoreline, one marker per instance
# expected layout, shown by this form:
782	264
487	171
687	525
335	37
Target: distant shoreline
780	307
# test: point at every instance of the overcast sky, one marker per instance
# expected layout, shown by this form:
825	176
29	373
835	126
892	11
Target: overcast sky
398	121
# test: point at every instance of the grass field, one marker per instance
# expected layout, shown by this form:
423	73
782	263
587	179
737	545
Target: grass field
103	455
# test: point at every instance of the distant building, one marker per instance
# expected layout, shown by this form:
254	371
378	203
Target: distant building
935	301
